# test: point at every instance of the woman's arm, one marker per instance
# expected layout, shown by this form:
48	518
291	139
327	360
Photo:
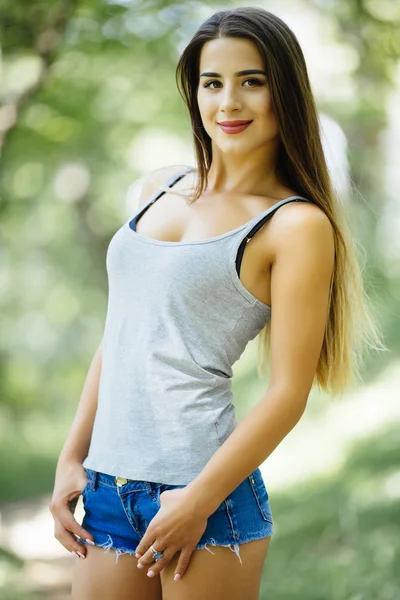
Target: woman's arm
70	476
77	443
302	246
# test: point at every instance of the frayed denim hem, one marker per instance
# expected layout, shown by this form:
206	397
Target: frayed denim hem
108	545
235	548
118	551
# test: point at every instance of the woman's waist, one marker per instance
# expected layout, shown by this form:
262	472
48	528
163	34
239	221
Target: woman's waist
179	412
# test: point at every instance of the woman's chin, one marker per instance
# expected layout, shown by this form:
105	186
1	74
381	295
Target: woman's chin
235	149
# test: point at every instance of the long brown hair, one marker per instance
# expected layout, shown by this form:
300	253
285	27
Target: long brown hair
301	166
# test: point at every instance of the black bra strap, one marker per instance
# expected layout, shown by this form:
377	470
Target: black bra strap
169	183
260	223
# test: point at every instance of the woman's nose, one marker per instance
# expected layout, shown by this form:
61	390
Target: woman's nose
229	101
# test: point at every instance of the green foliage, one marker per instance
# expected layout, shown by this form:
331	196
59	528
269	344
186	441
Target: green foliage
338	538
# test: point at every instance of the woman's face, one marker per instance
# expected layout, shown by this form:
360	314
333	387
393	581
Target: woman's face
225	94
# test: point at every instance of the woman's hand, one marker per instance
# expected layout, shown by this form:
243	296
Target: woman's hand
71	478
176	526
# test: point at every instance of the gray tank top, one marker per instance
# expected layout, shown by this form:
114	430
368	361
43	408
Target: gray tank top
178	318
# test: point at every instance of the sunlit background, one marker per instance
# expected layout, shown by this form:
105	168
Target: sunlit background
88	105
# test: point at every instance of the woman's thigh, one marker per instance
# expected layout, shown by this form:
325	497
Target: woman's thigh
109	570
100	577
229	558
218	576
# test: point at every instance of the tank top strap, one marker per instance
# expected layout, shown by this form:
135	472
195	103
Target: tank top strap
158	193
255	225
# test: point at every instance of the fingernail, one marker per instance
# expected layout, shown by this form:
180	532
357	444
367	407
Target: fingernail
80	554
140	566
73	552
177	576
89	542
138	555
150	573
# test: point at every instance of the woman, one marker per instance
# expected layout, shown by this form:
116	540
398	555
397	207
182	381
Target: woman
164	469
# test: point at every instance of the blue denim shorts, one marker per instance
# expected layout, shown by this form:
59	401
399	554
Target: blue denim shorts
118	515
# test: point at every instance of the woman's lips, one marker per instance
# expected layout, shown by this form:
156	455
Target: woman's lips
235	128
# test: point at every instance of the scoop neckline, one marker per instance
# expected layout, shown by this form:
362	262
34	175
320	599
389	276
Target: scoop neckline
146	239
215	238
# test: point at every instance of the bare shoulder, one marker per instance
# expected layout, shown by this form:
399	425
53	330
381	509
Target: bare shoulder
300	226
154	180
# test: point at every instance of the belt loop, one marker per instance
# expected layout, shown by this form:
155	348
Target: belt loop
94	483
151	489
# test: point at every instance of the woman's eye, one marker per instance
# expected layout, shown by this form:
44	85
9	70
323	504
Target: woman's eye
254	82
209	83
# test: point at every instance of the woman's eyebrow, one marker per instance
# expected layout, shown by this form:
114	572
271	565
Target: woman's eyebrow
238	74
